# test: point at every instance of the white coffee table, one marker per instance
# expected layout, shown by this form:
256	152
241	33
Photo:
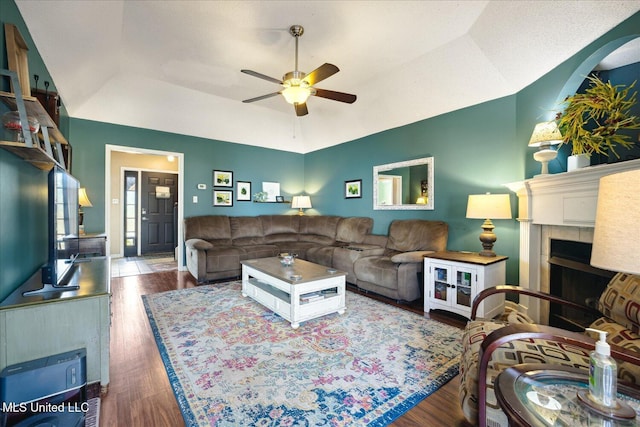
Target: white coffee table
301	292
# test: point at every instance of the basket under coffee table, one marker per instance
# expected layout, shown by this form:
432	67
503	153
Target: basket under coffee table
300	292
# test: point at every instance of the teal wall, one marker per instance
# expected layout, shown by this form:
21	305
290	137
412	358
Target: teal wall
23	187
201	157
476	149
475	158
23	221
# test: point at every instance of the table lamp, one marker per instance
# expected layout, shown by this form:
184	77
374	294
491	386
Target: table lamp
301	202
487	207
616	237
83	202
545	135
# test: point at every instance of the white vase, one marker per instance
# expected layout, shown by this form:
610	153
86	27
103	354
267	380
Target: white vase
578	161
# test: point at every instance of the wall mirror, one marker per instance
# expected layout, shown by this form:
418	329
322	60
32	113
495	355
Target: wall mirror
404	185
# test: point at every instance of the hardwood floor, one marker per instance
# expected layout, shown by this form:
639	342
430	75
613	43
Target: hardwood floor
139	391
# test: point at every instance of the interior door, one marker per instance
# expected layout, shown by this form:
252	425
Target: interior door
157	212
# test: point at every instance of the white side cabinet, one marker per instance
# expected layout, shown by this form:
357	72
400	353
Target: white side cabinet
453	279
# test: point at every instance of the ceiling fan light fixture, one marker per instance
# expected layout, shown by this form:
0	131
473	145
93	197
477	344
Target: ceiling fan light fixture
299	86
296	94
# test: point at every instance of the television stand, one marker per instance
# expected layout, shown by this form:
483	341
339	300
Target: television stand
54	322
53	278
46	287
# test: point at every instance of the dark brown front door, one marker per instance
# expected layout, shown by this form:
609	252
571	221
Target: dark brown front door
157	212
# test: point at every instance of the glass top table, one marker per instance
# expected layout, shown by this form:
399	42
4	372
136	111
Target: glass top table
547	395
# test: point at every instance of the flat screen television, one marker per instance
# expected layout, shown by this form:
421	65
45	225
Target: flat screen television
63	229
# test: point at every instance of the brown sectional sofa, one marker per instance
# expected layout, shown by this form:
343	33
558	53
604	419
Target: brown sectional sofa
215	245
395	273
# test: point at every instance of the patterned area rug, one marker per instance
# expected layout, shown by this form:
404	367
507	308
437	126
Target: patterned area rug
232	362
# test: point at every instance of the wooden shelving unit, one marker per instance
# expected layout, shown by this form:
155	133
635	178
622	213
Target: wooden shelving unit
47	149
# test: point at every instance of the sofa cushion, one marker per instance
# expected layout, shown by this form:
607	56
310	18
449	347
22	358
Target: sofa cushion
224	258
322	255
619	301
280	228
259	251
298	248
353	230
318	229
417	235
246	230
344	257
213	228
377	269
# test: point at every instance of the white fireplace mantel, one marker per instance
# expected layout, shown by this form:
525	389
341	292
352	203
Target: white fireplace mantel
560	205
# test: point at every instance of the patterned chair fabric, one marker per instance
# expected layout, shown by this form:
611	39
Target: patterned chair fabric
620	302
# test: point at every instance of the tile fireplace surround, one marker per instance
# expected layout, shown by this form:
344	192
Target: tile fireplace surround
557	206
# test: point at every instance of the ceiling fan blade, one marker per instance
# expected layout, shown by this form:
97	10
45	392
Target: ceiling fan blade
336	96
262	76
259	98
322	72
301	109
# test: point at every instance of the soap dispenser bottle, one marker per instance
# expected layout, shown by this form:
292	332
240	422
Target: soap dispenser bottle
602	373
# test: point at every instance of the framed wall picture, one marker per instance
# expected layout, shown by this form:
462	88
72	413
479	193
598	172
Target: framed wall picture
353	189
243	191
272	189
222	178
279	199
222	198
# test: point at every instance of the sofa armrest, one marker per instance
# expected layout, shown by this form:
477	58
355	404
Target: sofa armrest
529	292
198	244
413	256
196	257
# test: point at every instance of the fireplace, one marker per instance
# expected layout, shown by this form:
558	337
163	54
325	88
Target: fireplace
560	206
572	278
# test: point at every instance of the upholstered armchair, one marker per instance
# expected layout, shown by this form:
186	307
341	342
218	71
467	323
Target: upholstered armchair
490	346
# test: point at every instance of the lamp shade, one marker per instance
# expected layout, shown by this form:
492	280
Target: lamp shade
83	199
296	94
301	202
545	134
491	206
616	238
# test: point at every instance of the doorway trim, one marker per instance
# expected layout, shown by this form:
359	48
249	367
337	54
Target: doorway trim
109	149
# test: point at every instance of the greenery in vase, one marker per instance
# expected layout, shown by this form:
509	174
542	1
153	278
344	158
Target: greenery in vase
261	196
591	120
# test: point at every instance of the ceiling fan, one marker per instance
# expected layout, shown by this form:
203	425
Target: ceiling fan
298	86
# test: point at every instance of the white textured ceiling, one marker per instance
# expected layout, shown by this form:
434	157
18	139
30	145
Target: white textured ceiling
175	65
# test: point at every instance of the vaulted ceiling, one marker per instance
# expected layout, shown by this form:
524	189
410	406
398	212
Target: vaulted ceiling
175	65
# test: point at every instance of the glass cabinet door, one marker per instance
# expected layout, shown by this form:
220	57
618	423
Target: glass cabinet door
440	283
463	288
